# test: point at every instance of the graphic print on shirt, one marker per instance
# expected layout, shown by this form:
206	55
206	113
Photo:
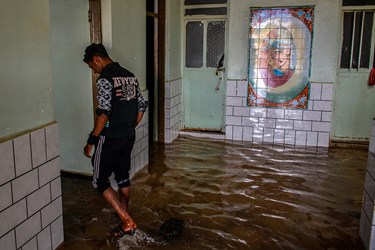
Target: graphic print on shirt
104	88
126	87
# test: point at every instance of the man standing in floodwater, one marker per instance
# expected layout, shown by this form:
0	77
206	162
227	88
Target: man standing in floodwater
120	108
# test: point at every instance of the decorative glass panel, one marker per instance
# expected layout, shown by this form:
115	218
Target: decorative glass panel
206	11
279	61
194	44
215	43
194	2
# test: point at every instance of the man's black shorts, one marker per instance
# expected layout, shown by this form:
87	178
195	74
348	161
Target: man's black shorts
112	154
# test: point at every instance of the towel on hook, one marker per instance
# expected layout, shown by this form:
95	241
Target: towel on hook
371	79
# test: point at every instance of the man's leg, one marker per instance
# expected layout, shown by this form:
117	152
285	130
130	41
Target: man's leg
113	199
124	196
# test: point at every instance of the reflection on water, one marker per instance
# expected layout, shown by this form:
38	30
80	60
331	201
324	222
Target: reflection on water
232	196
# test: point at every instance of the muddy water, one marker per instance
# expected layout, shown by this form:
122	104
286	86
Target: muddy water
230	196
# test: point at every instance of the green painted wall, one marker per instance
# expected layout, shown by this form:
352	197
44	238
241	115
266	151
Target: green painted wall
128	36
26	98
173	40
72	81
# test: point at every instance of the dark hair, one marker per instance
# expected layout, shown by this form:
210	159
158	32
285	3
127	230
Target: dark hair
94	49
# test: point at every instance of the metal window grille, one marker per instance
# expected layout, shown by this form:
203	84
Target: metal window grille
357	39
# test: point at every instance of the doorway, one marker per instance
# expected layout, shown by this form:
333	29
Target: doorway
204	74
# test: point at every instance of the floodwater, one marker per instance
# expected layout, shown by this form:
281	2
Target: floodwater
230	196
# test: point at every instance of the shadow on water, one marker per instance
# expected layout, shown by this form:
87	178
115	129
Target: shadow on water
230	196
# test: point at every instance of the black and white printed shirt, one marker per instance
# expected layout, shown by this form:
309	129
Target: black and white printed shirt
120	98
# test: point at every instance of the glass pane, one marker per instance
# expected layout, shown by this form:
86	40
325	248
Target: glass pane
192	2
366	40
215	42
357	39
194	45
206	11
357	2
347	40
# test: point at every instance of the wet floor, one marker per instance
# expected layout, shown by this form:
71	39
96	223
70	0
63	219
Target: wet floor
230	196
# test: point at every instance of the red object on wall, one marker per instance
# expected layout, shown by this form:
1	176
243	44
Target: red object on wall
371	79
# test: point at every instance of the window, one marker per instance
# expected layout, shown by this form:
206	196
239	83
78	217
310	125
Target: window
357	39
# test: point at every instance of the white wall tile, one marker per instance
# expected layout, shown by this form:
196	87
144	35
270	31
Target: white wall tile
371	165
247	133
370	186
321	126
13	216
258	112
28	229
268	135
38	199
241	111
8	241
312	139
7	162
5	196
323	139
22	154
52	141
301	138
372	145
56	188
327	91
312	115
242	88
234	101
326	116
258	134
284	124
31	245
267	123
25	185
237	133
290	137
315	91
323	105
51	212
229	132
229	111
231	88
279	135
234	120
293	114
49	171
302	125
275	113
38	147
250	121
44	239
57	231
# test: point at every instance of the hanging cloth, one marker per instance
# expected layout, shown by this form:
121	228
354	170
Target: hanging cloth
371	80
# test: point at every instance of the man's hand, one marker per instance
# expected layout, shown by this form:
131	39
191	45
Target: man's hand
87	150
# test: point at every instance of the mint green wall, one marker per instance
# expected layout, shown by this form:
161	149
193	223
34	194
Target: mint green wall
128	36
173	40
26	98
72	81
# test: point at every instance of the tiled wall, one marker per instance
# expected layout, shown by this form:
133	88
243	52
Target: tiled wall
367	223
140	149
173	110
309	127
30	191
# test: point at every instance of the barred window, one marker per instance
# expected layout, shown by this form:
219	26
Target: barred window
357	39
